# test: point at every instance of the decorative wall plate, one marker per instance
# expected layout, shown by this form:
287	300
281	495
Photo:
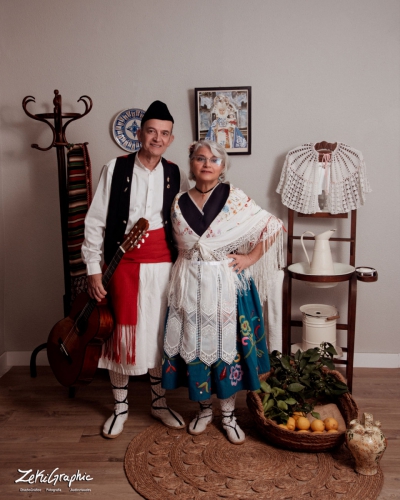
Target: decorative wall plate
125	127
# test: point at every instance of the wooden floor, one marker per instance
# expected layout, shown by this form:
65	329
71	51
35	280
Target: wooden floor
42	429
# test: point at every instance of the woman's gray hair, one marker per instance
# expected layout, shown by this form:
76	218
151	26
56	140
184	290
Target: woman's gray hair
216	150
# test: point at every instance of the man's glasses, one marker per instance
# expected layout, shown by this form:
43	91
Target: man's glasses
213	160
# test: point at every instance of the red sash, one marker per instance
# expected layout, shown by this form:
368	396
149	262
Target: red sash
124	285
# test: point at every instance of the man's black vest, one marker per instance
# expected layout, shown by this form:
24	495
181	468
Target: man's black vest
118	208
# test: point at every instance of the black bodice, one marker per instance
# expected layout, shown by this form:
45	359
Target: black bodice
198	221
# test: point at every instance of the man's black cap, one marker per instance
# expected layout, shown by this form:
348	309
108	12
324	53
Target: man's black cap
158	111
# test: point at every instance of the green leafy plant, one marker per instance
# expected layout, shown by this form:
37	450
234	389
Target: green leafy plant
300	381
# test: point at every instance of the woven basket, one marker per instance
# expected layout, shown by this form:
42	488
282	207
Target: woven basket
301	441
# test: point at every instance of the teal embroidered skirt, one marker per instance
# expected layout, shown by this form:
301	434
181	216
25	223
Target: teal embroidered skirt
220	378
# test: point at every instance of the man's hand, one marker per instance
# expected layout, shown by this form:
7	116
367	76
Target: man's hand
95	287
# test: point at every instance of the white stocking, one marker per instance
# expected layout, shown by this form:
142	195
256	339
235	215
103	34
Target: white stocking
114	425
119	383
228	405
157	392
229	423
159	407
203	418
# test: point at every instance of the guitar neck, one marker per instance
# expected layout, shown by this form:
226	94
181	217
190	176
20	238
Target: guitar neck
112	267
88	309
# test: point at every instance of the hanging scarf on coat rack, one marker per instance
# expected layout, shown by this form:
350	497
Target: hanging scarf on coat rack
79	192
345	182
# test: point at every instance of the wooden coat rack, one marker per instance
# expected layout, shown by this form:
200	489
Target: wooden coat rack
59	142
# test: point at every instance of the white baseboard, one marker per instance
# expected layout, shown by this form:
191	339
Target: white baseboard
376	360
361	360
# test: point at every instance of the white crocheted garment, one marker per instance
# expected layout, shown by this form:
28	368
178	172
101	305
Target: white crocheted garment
300	184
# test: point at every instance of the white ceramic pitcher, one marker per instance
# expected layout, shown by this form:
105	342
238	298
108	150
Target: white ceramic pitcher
322	262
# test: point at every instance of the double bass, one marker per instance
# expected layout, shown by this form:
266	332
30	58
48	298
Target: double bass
74	344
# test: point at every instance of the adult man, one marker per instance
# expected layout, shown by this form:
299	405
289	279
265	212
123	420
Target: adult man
130	187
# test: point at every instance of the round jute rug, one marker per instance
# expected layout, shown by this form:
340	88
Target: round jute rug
163	464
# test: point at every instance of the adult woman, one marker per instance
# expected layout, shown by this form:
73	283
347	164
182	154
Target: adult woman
214	339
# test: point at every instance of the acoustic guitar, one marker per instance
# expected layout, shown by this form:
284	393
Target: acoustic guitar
74	344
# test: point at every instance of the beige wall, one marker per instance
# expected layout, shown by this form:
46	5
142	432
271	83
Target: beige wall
2	336
319	70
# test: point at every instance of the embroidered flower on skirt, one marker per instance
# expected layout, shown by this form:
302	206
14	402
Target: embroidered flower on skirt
236	374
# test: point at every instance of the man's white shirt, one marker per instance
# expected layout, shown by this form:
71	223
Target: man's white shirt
147	194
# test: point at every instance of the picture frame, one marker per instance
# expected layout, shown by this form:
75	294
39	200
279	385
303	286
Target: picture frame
223	114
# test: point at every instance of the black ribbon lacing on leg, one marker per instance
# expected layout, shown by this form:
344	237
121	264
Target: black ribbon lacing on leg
155	381
230	415
206	406
118	402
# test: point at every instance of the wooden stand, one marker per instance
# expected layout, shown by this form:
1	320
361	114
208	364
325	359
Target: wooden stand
59	142
288	323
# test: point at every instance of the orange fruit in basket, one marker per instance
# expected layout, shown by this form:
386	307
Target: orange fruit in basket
303	423
296	415
304	431
282	425
291	424
331	423
333	431
317	425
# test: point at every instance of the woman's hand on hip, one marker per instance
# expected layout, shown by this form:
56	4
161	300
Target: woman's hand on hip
239	262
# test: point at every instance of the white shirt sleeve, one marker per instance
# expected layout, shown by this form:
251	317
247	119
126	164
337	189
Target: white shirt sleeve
95	222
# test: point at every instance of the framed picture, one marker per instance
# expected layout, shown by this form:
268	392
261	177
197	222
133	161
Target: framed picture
223	115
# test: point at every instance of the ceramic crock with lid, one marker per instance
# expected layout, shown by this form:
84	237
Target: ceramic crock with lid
319	325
